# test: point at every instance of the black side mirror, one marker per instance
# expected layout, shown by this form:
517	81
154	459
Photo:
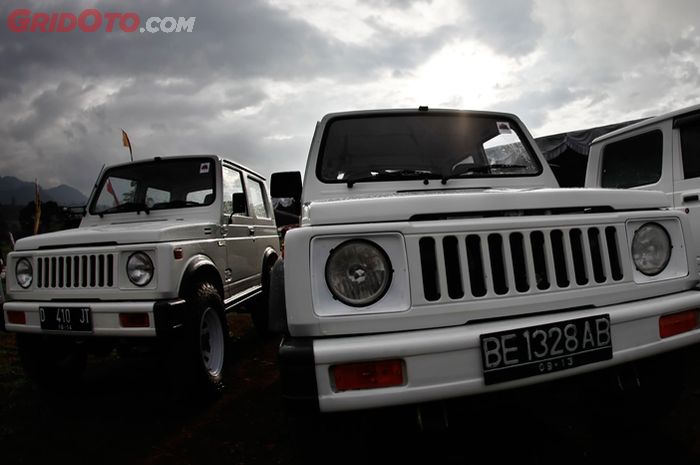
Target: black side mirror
285	190
239	204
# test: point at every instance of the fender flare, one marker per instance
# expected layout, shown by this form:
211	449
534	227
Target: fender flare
269	258
200	265
277	306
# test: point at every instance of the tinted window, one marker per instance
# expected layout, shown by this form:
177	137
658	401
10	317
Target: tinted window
233	184
418	146
257	198
157	185
636	161
690	150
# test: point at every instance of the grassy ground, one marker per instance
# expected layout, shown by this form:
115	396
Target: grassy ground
12	381
122	413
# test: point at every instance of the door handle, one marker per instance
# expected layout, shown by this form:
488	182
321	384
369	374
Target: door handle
691	198
251	230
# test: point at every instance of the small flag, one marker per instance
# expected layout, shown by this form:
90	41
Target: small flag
37	207
127	143
110	189
12	240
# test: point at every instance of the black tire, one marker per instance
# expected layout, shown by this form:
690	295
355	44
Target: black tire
260	314
51	362
199	354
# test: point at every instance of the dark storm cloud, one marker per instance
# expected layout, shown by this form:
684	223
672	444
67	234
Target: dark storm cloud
230	39
64	96
252	78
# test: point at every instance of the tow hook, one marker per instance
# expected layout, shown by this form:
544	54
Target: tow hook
432	417
627	378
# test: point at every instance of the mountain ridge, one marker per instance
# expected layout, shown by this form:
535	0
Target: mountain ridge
18	192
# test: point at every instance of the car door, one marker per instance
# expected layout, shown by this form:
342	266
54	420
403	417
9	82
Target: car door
237	230
265	230
686	155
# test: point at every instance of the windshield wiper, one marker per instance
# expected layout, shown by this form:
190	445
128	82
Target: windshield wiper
175	204
469	169
137	207
382	175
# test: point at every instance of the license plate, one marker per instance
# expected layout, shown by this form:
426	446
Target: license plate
535	350
65	318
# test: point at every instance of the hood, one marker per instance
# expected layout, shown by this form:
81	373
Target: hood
119	234
403	206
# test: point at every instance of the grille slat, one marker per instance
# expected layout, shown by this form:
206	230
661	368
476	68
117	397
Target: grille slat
590	274
549	260
442	273
462	247
486	263
496	264
529	262
569	258
510	271
76	271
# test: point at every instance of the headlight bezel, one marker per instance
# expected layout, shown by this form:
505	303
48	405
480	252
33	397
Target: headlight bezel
148	261
27	261
664	234
376	296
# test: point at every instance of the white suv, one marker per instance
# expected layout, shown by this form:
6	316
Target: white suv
166	247
438	258
659	154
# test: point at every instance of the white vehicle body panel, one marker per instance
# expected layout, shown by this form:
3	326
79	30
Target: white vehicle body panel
437	337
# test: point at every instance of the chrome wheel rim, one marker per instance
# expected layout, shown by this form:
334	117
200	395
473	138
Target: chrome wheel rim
211	342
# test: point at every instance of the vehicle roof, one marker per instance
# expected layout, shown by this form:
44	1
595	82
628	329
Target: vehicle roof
648	122
418	111
222	158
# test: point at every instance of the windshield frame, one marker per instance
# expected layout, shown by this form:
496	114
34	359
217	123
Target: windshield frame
152	161
515	126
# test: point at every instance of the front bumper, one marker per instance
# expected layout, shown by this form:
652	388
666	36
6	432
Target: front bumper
165	316
446	363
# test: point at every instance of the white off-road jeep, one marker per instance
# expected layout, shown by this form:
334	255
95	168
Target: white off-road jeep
660	153
437	258
167	246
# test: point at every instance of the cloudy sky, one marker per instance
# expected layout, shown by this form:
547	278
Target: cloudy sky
253	77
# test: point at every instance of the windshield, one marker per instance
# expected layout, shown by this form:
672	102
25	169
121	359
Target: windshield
156	185
423	146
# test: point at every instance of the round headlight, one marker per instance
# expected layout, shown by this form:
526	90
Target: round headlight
651	249
139	269
358	272
24	272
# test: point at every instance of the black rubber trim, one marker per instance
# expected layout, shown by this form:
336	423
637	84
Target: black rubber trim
169	316
277	306
2	314
298	374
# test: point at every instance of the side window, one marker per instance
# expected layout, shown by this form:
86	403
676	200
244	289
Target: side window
690	150
233	183
257	198
636	161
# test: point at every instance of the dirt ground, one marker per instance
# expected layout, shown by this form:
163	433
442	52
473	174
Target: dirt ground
122	413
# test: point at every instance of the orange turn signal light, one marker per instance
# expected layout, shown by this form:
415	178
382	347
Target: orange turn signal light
368	375
16	318
134	320
677	323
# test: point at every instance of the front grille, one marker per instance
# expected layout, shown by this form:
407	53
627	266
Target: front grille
476	265
75	271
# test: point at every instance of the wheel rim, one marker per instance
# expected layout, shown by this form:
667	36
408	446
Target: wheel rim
211	342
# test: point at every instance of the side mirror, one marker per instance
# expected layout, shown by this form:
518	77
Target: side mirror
239	205
285	190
